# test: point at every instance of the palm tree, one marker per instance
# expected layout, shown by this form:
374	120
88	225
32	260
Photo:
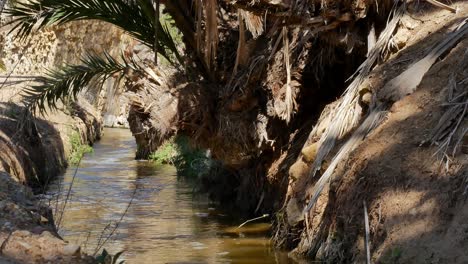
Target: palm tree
135	17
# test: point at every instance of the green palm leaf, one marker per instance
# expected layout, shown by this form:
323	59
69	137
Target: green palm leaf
136	17
71	79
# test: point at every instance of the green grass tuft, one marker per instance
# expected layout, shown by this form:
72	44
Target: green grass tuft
78	149
177	151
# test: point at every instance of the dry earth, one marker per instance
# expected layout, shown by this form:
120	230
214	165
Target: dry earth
32	153
415	200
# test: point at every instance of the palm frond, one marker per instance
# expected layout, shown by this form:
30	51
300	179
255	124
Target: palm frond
136	17
71	79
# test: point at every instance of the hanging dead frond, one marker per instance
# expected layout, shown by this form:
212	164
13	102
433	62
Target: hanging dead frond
442	5
241	45
374	119
153	109
400	88
287	111
253	22
453	124
348	113
207	12
406	82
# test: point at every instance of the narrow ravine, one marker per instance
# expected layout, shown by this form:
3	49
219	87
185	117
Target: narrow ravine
167	222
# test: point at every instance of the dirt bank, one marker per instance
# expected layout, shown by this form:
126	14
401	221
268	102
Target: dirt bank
27	231
33	151
414	195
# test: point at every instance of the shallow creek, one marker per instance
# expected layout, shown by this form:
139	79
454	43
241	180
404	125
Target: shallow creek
166	221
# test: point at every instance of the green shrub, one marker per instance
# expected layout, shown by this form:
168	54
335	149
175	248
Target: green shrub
188	160
166	154
168	22
78	149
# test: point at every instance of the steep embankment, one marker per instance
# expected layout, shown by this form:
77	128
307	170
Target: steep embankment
35	149
411	180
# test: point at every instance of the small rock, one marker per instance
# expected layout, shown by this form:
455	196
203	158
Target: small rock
71	250
44	220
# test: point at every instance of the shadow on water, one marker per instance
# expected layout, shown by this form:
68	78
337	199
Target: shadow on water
167	221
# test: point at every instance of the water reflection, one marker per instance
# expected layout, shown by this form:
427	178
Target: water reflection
166	222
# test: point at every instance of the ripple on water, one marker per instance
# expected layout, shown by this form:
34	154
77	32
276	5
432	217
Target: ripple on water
165	223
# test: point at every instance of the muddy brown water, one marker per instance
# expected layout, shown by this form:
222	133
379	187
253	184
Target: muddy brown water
167	221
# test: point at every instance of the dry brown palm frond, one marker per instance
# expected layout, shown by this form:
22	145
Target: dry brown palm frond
453	124
442	5
377	112
253	22
289	96
406	82
212	35
285	108
234	141
240	46
207	12
373	120
348	112
153	109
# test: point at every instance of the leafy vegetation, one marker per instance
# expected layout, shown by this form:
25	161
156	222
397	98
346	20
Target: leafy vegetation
188	160
2	66
78	149
71	79
166	154
169	24
136	18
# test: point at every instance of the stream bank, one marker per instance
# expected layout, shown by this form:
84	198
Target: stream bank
33	151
